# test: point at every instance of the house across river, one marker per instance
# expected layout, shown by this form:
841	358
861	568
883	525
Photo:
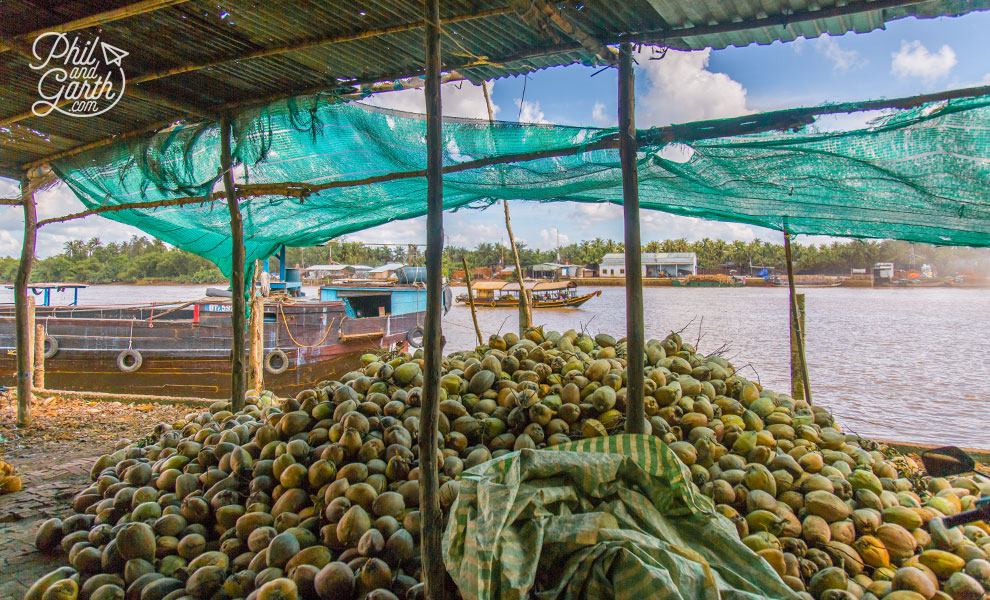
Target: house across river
655	264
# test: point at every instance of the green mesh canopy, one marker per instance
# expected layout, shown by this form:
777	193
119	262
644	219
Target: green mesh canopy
918	175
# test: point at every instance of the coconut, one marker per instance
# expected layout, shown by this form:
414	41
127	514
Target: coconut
335	580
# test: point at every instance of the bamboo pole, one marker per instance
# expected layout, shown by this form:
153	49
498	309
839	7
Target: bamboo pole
238	382
257	347
474	313
101	18
434	574
525	312
635	412
797	383
22	303
795	324
39	357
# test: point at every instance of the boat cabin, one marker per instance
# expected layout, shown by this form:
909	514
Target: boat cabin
487	291
543	291
362	300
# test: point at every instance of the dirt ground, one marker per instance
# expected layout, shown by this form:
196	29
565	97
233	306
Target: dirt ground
53	458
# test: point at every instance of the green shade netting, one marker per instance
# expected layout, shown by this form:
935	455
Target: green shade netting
918	175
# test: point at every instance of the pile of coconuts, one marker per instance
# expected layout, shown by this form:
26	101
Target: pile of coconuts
317	496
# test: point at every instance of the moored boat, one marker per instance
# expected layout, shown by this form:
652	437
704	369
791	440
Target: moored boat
709	281
546	294
183	348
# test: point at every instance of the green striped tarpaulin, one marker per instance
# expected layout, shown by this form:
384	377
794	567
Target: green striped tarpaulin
607	517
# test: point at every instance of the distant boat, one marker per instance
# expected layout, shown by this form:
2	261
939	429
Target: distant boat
546	294
708	281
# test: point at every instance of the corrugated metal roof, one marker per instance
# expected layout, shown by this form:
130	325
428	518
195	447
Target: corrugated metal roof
193	59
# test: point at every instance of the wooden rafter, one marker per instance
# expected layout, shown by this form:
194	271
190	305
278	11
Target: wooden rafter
24	50
312	43
188	109
538	14
102	18
377	87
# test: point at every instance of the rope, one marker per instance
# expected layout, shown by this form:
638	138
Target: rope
291	337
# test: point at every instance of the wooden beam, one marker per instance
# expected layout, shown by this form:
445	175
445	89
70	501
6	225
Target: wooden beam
434	574
238	382
132	206
23	329
313	43
101	18
635	347
795	323
536	13
24	50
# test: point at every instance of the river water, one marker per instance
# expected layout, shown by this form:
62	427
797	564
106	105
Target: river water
911	365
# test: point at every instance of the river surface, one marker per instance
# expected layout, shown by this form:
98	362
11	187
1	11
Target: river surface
910	365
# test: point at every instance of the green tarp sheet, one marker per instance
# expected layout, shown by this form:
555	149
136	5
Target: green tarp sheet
919	175
609	517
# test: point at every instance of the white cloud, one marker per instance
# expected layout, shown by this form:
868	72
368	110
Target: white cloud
602	118
842	60
915	60
680	88
550	238
459	99
530	112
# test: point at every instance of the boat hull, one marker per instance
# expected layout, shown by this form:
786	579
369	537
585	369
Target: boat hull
512	303
187	353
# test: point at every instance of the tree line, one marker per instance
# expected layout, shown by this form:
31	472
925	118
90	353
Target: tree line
143	260
139	259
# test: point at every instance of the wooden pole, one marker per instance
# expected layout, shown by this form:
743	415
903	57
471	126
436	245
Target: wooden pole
635	350
257	348
39	356
795	323
525	312
238	383
797	382
434	575
21	306
32	325
474	313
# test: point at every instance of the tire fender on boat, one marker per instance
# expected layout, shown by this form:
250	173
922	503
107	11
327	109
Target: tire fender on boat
415	337
135	360
276	357
51	346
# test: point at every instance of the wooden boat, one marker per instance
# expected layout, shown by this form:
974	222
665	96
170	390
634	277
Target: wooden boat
708	281
546	294
183	349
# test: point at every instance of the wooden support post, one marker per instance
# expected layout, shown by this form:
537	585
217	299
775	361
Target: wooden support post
635	350
797	380
21	304
256	351
796	327
238	383
39	356
474	313
434	574
525	310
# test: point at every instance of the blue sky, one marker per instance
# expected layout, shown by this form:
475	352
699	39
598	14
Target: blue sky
909	57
